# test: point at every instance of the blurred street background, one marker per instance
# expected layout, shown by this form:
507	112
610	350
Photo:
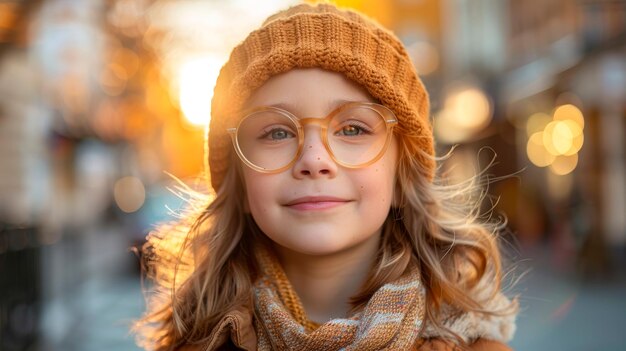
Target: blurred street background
102	100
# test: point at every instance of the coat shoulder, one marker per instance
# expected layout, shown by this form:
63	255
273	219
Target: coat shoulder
235	331
446	345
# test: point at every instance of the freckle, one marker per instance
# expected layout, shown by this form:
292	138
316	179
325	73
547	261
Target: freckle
310	146
318	158
361	186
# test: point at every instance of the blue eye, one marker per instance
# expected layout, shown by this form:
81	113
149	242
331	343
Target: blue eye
350	130
277	134
355	128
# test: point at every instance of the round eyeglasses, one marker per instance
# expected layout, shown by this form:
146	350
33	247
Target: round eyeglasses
356	134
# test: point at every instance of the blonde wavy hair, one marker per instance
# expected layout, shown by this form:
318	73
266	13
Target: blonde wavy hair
202	265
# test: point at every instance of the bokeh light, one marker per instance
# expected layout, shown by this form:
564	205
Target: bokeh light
129	193
537	153
563	165
467	111
569	112
425	57
471	106
537	122
555	141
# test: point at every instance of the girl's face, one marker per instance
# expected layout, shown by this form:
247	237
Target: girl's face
317	207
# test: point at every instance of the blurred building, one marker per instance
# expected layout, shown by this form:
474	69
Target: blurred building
567	64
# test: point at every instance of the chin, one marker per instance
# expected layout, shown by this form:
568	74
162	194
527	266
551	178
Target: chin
315	246
318	250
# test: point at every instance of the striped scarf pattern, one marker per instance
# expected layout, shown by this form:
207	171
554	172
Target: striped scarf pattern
391	320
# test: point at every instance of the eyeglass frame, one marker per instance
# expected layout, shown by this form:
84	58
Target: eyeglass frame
387	115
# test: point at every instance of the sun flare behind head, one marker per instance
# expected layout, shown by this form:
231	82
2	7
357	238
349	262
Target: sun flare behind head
197	78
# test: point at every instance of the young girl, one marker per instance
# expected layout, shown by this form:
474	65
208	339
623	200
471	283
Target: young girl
327	229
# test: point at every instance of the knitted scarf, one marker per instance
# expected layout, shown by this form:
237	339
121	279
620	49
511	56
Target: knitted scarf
391	320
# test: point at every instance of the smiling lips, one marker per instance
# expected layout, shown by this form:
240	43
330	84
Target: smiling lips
309	203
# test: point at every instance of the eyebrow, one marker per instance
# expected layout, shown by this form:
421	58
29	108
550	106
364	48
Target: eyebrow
295	107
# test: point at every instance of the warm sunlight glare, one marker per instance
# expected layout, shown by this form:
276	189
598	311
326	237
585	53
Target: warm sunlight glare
197	78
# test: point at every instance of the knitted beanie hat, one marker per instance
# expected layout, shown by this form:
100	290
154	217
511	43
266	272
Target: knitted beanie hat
333	39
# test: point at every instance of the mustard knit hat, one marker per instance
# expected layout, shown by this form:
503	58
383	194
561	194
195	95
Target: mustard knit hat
321	36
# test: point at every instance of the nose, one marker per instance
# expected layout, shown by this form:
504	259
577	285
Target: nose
314	161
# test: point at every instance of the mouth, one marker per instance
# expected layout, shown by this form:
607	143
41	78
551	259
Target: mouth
309	203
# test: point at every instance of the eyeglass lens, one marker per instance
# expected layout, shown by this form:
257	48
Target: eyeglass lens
269	139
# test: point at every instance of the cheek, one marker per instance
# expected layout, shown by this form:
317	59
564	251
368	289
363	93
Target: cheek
257	192
376	186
